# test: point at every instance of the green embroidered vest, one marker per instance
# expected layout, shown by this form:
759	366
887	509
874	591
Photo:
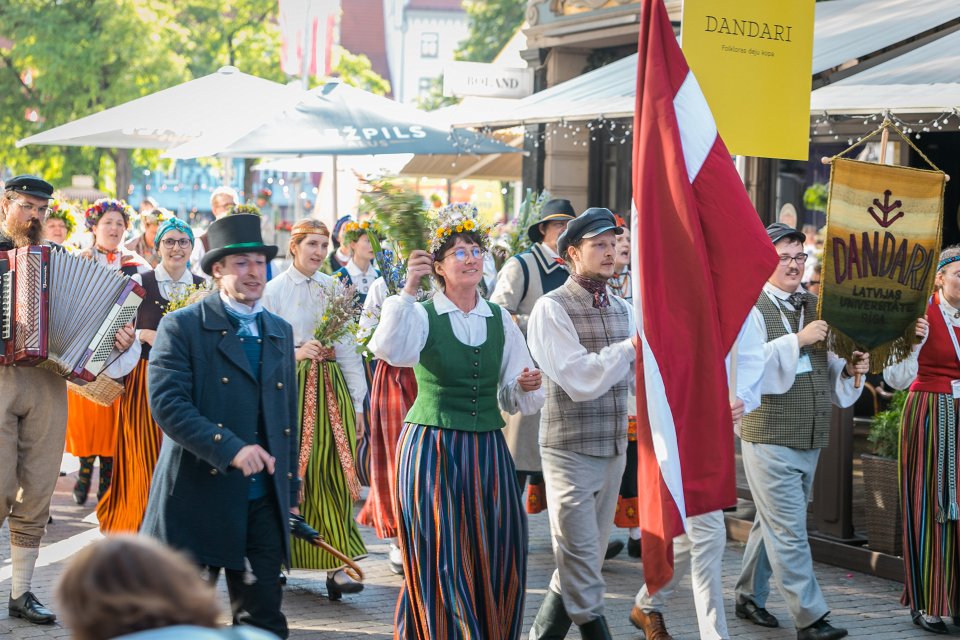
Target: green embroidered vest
457	384
799	418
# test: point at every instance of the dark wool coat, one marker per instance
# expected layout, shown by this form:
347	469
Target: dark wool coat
204	396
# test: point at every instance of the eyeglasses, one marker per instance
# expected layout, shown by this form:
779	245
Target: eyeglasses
30	208
800	258
813	282
170	243
461	254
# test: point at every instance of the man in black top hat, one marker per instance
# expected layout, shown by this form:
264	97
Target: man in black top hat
224	391
523	279
33	417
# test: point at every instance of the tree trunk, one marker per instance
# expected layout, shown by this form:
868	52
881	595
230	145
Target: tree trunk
248	193
124	172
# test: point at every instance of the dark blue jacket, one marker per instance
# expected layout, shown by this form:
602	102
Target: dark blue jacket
203	395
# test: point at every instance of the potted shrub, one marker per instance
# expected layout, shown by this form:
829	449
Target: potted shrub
881	481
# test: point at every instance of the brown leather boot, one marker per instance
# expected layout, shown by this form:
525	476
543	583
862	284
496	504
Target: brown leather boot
651	624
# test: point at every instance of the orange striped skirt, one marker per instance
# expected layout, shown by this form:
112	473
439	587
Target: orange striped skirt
91	428
137	449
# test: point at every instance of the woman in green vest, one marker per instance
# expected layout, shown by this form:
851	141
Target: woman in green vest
462	527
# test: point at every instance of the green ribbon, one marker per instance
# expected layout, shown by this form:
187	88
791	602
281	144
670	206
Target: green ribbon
245	245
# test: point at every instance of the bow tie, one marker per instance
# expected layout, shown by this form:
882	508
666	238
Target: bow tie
796	299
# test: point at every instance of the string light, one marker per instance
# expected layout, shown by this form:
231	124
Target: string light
911	128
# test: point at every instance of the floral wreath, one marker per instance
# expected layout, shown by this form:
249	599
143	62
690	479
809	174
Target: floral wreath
353	230
104	205
251	209
460	217
62	211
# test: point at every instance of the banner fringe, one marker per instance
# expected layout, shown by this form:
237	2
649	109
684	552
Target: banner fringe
883	356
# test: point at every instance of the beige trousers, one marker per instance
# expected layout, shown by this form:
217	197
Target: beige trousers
33	424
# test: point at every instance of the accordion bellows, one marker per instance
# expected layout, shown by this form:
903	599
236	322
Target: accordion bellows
62	312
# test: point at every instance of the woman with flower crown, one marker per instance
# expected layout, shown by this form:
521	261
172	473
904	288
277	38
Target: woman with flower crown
91	428
360	271
138	436
332	388
462	527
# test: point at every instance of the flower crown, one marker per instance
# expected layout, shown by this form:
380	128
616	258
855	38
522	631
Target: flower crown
251	209
460	217
353	230
62	211
104	205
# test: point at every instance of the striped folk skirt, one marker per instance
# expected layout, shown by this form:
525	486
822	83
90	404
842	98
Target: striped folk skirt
931	540
392	394
137	449
363	445
91	428
327	505
463	535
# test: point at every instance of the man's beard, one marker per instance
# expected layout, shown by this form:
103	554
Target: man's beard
24	233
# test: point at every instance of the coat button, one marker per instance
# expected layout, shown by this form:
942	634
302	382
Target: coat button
219	425
473	413
476	350
279	385
217	437
474	388
224	380
286	432
213	472
476	364
476	375
223	333
259	341
473	400
289	476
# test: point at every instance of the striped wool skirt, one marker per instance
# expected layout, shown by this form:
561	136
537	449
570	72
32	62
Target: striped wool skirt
929	482
463	535
138	446
327	504
392	394
91	428
363	444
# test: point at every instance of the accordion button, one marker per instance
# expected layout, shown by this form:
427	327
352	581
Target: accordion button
217	437
279	385
259	341
213	472
224	380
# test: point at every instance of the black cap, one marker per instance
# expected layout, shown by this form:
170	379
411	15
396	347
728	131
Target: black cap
779	230
588	224
556	209
30	186
230	235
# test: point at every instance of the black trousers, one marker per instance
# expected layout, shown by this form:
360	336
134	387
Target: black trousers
255	599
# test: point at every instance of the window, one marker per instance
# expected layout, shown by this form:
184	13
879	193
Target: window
424	85
429	45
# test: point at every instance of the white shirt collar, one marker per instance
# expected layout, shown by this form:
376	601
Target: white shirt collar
298	277
164	276
780	293
355	271
548	252
239	307
443	305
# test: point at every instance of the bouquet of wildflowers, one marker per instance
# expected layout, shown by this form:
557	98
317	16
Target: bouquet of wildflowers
400	214
186	295
338	318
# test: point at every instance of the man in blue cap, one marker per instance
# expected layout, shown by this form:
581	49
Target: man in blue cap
584	340
33	417
522	281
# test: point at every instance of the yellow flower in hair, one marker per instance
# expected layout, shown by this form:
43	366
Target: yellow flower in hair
468	225
365	225
459	228
440	232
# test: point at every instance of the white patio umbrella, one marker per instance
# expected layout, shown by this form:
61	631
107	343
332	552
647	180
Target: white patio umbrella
219	106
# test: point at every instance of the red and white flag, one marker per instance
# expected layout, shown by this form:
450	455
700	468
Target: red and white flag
701	257
307	28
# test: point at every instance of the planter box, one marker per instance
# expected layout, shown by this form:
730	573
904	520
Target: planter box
881	488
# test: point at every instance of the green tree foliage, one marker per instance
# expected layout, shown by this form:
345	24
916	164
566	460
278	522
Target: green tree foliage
492	24
356	71
434	98
72	58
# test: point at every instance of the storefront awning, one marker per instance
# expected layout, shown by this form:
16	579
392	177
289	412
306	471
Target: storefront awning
925	80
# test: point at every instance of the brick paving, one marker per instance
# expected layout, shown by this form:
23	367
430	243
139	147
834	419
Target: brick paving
867	606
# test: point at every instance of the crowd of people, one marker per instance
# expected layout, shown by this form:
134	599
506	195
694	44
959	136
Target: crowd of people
464	402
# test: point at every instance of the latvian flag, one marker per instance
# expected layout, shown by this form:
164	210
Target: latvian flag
701	257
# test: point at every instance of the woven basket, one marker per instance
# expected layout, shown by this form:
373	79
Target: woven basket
881	487
103	391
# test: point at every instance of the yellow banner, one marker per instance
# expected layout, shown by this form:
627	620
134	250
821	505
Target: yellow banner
753	61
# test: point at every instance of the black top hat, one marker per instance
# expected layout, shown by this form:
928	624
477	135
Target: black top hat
556	209
588	224
239	233
30	186
779	230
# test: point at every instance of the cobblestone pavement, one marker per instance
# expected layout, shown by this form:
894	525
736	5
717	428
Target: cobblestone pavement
867	606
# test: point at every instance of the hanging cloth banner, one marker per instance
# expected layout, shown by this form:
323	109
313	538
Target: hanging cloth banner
880	257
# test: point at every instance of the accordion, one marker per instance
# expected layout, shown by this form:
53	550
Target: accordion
62	312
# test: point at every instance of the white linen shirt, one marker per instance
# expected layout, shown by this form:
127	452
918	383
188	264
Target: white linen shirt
167	285
300	300
404	328
362	280
782	355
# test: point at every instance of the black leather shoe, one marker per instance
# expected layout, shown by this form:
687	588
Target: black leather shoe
634	549
821	630
748	610
339	583
30	609
937	626
552	621
596	629
614	547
